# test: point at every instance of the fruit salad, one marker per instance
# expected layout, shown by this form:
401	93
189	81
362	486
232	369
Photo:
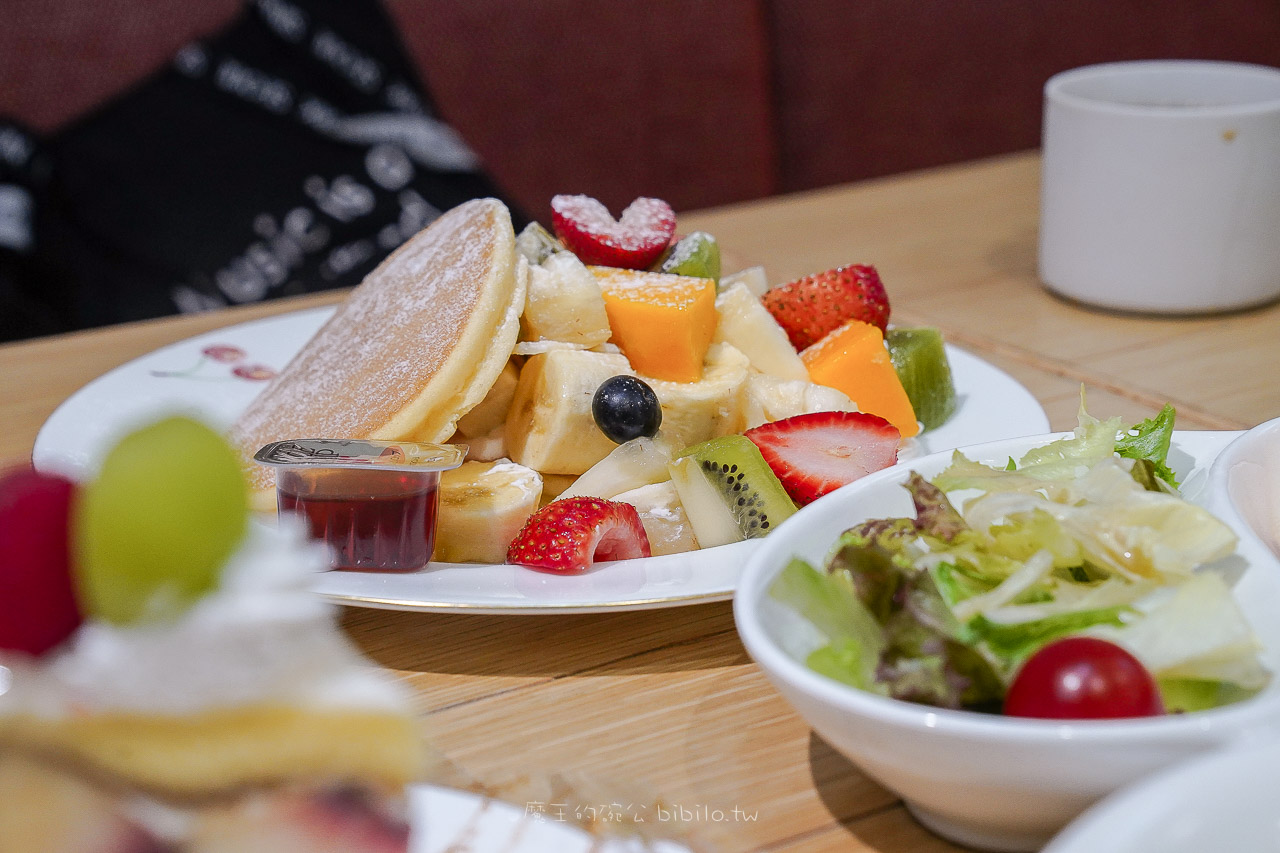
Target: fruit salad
654	406
1072	583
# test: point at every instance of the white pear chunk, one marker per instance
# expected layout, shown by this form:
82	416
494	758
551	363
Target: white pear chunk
663	517
746	324
632	464
564	303
753	277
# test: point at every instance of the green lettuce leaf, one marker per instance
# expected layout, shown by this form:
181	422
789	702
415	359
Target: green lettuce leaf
828	601
1181	695
1013	643
874	557
1148	444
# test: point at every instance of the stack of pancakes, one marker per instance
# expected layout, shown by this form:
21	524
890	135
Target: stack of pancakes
414	348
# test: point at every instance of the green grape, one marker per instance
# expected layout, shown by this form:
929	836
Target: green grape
154	529
697	255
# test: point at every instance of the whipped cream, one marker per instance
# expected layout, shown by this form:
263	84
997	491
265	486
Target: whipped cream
261	638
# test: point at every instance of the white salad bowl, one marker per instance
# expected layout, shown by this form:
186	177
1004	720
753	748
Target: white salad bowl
983	780
1244	483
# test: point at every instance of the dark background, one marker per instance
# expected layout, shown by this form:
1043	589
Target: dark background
702	102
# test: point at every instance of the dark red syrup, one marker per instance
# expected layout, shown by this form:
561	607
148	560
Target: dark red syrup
388	524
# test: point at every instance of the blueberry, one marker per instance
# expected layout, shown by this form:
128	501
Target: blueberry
624	408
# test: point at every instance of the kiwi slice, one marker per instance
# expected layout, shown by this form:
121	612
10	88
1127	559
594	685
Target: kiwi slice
728	491
921	362
697	255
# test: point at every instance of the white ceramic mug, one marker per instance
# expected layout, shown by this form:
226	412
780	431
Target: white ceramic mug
1161	186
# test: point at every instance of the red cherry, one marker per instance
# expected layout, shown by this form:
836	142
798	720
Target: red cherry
38	608
1080	678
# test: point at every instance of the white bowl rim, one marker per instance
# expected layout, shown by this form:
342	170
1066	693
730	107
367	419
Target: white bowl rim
768	560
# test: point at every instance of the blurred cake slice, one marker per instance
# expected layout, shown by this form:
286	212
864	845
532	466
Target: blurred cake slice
242	719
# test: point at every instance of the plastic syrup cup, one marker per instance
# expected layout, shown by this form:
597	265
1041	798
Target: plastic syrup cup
374	503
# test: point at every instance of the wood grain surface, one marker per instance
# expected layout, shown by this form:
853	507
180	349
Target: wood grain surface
663	708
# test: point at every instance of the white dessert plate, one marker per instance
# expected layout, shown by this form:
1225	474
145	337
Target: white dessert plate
215	375
1224	800
1247	480
447	820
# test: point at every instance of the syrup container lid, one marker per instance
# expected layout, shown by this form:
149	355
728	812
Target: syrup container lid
361	453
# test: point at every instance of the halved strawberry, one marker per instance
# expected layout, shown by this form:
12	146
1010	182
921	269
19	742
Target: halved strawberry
819	452
633	241
809	307
567	536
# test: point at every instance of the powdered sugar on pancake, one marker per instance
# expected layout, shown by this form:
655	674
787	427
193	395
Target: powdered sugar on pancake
406	339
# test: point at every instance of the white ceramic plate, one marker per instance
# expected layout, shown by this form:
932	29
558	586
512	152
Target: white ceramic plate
446	820
211	376
1223	801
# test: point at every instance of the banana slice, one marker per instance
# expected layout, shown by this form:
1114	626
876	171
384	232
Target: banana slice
549	427
483	505
747	325
492	410
768	399
693	412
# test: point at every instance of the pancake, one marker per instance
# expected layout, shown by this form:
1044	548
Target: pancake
414	347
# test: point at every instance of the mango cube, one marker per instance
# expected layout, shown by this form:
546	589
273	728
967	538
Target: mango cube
663	323
853	358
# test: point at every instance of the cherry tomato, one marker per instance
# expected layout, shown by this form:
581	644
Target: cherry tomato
1080	678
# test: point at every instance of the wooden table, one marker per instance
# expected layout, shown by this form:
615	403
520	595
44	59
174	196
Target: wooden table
667	701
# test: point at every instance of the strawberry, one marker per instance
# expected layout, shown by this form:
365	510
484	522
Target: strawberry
819	452
634	241
567	536
809	307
